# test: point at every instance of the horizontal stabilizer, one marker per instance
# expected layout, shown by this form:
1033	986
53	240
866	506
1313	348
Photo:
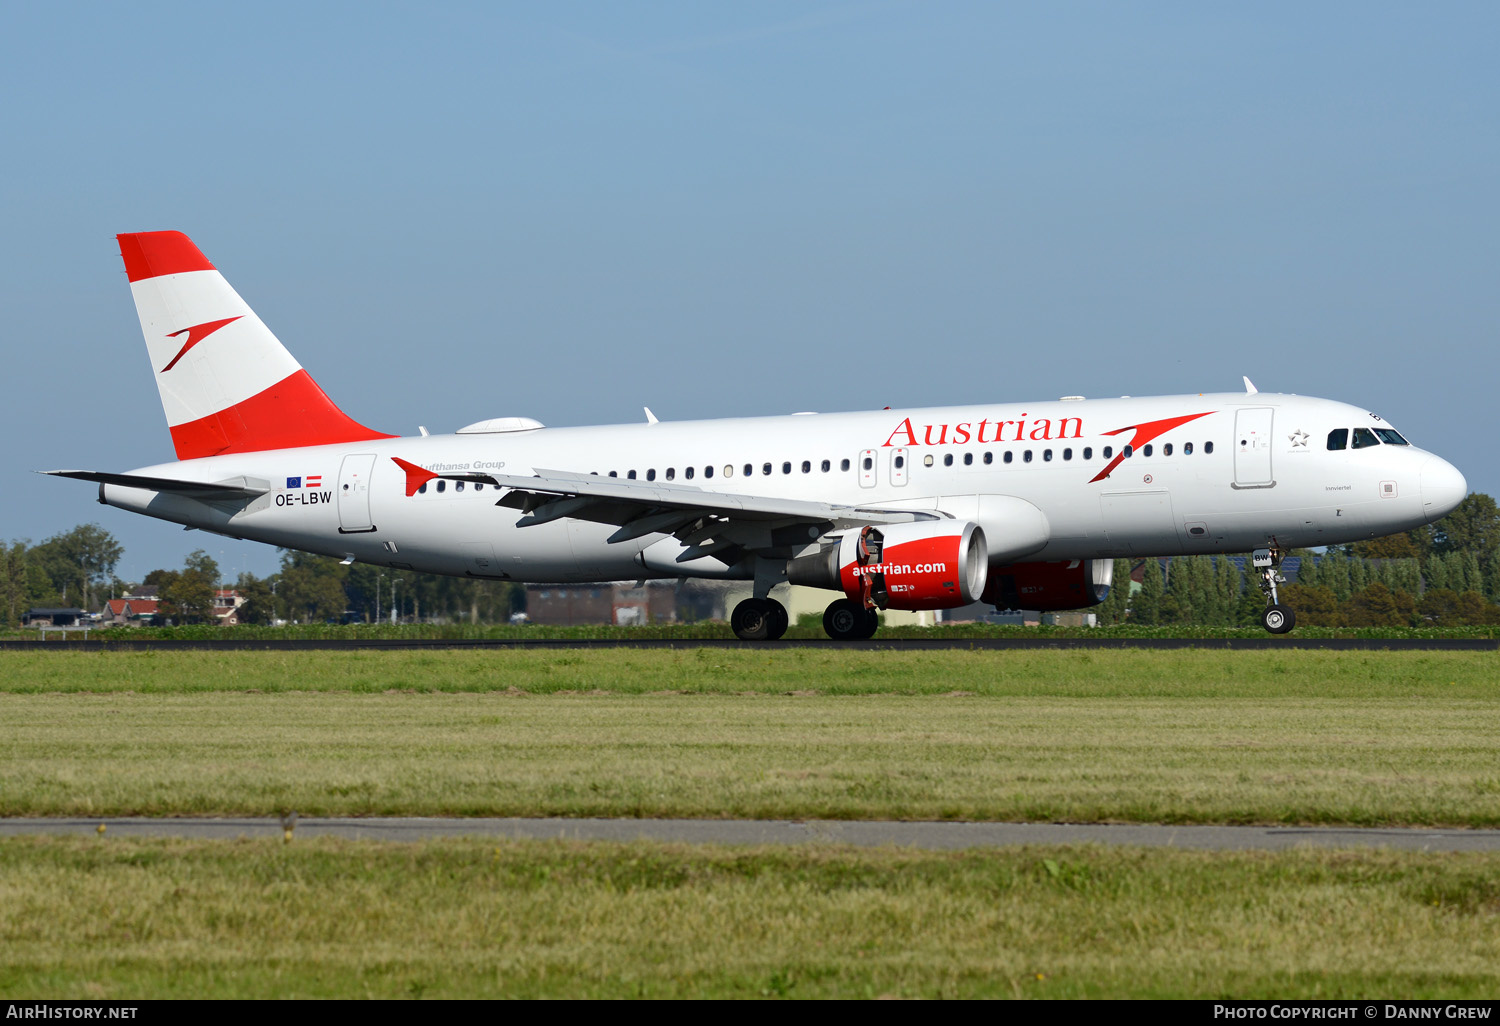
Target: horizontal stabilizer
235	488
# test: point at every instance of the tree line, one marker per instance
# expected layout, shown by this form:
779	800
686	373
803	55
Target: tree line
1447	573
77	569
1443	574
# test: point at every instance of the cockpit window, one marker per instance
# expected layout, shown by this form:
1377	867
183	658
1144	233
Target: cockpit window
1364	438
1338	438
1391	437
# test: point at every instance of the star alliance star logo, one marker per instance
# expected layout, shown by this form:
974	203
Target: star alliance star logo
1298	437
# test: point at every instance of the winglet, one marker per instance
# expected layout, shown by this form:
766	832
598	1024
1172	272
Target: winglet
416	477
650	417
1250	388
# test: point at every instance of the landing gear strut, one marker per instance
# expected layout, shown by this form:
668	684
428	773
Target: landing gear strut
1276	618
759	619
845	620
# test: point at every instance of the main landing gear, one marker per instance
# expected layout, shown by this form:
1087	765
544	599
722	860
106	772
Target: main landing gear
845	620
759	619
1276	618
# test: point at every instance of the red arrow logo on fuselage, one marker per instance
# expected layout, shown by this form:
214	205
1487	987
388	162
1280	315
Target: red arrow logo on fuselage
197	333
1143	434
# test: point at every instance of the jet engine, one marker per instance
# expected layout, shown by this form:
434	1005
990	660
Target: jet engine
933	564
1070	584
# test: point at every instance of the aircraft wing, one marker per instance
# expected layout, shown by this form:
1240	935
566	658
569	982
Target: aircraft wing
707	522
235	488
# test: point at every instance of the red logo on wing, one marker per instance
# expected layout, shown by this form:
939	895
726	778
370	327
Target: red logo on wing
1143	434
197	333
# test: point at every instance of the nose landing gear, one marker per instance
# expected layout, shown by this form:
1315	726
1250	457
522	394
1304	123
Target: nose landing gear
1276	618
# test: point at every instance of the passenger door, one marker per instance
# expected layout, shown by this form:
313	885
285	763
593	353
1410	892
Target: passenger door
354	494
1252	448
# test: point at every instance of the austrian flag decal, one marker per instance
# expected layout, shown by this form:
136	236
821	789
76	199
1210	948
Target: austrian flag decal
313	481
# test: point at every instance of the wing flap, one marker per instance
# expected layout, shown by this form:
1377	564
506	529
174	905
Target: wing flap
655	497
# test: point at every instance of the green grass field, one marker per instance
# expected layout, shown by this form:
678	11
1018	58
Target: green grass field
113	918
1124	673
1381	738
1398	738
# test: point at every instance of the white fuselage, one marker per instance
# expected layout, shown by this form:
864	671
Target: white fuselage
1247	471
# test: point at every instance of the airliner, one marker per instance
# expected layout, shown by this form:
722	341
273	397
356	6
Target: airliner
1017	505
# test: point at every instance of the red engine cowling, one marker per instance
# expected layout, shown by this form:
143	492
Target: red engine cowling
1070	584
933	564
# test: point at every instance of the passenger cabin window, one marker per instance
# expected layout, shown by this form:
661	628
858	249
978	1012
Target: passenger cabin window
1208	447
1390	437
749	469
671	473
611	474
709	471
948	460
869	463
1046	455
807	466
458	486
630	474
1338	439
1109	451
968	459
899	462
1364	438
442	486
1146	450
651	474
826	466
843	464
1187	448
765	468
1166	450
989	458
1026	456
423	488
1129	451
786	468
687	473
1088	452
1067	454
1008	456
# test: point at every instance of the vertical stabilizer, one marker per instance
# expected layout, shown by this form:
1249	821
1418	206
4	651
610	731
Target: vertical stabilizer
227	384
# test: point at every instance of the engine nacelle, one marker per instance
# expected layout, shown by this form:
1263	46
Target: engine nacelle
1069	584
932	564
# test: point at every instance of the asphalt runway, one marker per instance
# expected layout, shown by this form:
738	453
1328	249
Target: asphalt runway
931	836
1255	644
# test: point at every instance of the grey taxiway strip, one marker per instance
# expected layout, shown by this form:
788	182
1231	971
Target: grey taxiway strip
937	836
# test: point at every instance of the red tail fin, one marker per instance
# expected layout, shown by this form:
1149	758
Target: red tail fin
227	383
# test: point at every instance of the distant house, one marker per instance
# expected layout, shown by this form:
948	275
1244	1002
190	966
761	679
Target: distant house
131	612
227	604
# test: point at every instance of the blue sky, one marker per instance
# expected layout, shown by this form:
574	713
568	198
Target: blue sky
570	210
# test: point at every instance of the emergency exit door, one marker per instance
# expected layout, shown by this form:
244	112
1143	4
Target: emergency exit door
354	494
1252	448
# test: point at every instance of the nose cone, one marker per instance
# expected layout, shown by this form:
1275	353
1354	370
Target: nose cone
1443	488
